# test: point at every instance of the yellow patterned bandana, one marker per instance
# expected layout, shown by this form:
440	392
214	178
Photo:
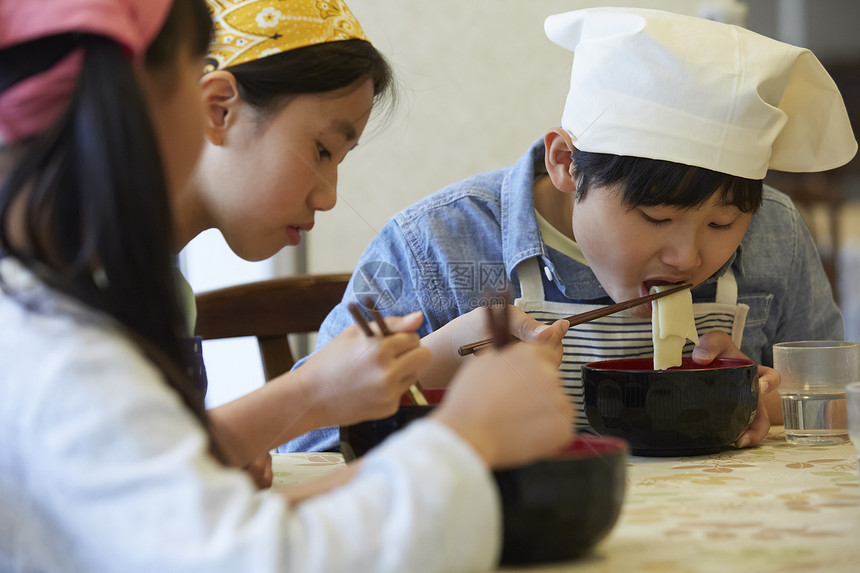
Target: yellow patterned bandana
247	30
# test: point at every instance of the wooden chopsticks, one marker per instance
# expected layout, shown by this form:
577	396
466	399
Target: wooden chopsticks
575	319
497	320
359	319
415	393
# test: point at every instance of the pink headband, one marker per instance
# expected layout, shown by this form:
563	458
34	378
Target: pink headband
33	104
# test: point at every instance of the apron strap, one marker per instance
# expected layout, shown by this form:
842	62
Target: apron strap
727	288
531	283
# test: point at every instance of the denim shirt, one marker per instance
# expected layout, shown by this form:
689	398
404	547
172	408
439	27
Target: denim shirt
443	254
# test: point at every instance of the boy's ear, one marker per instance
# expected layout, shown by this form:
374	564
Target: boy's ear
559	164
221	102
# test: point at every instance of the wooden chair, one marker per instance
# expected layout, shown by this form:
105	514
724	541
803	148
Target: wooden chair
270	310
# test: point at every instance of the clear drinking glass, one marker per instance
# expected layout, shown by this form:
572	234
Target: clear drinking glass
853	398
815	374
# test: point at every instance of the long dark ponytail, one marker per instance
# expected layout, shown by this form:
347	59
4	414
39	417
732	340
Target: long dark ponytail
94	199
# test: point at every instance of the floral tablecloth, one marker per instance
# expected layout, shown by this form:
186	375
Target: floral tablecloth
776	507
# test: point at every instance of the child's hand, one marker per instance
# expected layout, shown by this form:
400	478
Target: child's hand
509	404
355	377
718	344
471	327
260	471
528	329
549	335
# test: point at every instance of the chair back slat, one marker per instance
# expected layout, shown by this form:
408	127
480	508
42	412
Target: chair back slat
270	310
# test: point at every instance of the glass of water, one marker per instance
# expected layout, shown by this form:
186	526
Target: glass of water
853	397
815	374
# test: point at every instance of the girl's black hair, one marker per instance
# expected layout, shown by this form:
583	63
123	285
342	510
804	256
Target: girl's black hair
650	182
269	83
95	199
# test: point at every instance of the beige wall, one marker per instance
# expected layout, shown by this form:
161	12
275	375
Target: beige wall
480	82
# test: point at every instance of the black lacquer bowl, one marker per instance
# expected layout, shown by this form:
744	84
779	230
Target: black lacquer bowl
553	510
688	410
356	440
560	508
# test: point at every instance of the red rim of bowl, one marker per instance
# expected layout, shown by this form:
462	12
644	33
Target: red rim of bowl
647	364
589	446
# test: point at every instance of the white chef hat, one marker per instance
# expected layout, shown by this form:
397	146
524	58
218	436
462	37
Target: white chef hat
659	85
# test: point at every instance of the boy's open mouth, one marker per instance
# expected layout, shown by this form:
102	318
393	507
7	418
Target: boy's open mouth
647	285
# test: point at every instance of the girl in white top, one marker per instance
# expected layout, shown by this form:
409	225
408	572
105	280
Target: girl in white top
108	461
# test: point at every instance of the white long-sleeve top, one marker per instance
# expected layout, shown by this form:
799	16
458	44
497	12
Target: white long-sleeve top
103	469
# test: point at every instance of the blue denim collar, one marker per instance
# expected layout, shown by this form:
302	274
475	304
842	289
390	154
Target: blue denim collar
521	238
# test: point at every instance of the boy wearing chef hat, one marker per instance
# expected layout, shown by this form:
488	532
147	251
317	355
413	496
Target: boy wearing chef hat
654	177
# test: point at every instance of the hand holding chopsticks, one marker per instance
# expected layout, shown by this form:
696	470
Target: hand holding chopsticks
414	392
510	405
575	319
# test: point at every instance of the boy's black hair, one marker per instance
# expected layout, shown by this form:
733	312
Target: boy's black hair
269	83
650	182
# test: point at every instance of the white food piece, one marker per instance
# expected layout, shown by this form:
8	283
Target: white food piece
672	323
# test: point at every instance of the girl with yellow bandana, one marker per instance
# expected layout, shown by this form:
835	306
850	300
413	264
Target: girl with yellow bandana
288	90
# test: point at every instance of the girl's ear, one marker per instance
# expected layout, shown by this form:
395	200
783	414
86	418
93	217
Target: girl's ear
221	102
559	164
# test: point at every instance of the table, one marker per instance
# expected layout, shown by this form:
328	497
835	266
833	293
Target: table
776	507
